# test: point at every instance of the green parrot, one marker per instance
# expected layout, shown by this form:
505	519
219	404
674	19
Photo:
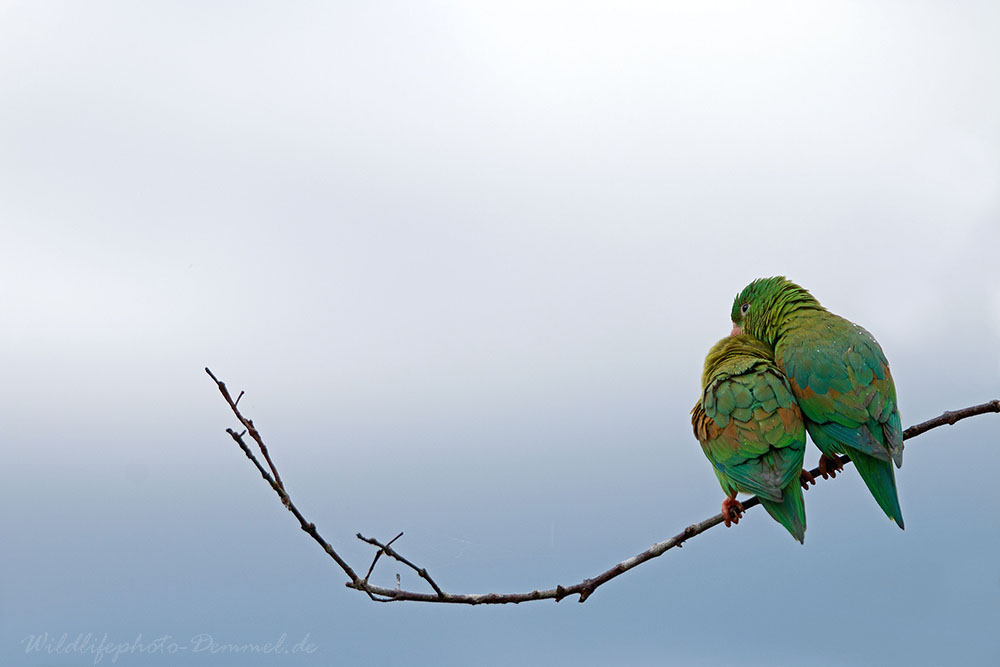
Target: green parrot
839	376
752	431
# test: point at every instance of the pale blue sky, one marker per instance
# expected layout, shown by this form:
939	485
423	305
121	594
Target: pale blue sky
466	262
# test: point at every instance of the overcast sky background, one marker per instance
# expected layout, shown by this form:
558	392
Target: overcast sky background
466	262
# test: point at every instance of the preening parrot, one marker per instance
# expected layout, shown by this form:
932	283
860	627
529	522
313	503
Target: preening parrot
752	431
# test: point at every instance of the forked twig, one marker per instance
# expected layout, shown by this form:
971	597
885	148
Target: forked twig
387	550
247	423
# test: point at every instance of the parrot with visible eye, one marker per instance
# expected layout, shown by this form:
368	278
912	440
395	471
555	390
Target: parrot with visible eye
752	431
840	378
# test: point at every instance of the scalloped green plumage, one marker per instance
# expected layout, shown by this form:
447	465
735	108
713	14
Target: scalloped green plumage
751	429
839	376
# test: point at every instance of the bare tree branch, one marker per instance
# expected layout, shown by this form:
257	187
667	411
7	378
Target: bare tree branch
583	589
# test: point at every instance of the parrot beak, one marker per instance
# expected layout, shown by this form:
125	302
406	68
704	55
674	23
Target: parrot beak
736	330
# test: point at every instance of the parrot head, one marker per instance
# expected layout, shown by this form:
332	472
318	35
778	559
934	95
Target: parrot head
761	307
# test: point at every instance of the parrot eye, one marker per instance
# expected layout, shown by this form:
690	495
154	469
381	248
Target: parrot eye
744	308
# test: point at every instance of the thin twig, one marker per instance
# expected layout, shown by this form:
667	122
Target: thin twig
386	549
378	554
279	489
583	589
951	417
248	423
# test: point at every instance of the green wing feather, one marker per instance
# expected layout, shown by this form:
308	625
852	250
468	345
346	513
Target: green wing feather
841	379
752	431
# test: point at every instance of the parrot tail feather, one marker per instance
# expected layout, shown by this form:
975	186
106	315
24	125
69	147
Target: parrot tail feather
881	481
790	511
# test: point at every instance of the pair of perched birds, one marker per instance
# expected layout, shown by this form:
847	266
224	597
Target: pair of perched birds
790	366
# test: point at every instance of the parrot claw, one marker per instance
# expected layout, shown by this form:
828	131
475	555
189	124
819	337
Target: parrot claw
806	478
732	511
830	466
